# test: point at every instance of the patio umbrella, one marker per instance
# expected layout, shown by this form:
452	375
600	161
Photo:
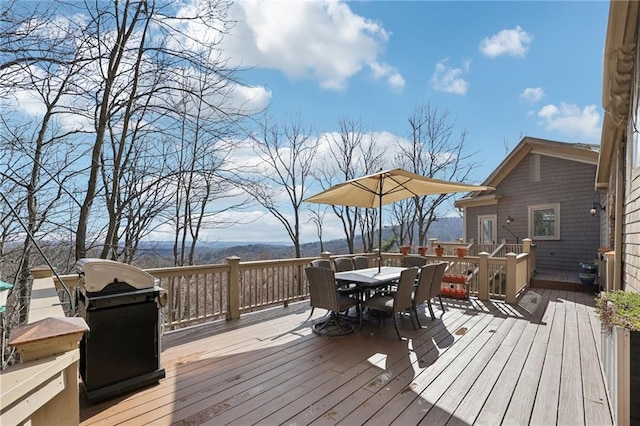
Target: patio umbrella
387	186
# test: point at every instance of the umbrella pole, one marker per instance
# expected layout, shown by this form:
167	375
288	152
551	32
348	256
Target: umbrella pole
380	227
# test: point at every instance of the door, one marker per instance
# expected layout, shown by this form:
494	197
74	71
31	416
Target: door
487	230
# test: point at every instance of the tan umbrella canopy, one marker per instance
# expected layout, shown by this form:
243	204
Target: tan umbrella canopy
387	186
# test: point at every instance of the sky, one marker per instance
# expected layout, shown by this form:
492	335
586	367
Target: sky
503	70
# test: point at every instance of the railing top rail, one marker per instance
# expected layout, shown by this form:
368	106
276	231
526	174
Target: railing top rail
277	262
192	269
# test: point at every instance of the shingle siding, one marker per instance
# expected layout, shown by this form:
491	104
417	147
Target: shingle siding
631	234
569	183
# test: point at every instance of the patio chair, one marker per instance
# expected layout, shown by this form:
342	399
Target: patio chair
321	263
411	261
324	294
360	262
343	264
396	302
436	284
422	288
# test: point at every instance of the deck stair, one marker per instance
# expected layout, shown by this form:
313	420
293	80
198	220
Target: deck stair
561	280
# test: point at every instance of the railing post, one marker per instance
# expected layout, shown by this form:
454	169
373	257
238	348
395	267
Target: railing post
50	339
326	255
527	248
511	278
45	340
610	271
233	293
483	276
433	242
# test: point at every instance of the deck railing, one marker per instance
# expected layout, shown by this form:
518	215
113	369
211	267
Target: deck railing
204	293
43	389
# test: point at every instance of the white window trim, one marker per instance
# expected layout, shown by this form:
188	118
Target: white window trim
492	217
557	212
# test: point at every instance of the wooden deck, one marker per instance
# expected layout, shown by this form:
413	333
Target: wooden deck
479	363
561	280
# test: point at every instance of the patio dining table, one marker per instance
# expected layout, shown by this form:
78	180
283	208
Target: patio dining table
370	278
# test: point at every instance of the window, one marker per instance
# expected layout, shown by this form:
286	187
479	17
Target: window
544	222
487	229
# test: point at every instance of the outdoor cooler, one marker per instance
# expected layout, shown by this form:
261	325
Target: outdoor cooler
121	305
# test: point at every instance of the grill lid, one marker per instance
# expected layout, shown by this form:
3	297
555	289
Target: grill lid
96	274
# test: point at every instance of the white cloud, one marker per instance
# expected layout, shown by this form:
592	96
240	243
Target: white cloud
532	94
572	121
394	78
513	42
448	79
321	40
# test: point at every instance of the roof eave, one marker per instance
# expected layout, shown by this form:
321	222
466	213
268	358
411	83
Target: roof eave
618	70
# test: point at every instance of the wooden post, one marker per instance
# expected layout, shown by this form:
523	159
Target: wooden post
50	341
511	278
527	248
483	276
233	293
611	267
433	242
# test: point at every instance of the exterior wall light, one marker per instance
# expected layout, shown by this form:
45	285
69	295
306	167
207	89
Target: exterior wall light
510	219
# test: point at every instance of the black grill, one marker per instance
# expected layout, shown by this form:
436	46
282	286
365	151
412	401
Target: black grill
121	351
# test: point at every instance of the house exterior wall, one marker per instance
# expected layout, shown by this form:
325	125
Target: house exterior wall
541	179
631	211
631	235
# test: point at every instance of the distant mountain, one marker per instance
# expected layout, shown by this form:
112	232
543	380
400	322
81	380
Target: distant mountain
445	229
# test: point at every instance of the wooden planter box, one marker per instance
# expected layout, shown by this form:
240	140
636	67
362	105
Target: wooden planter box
455	286
621	365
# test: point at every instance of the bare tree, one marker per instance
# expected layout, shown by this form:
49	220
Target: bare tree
435	151
352	156
203	174
403	215
287	155
37	159
317	218
368	218
141	48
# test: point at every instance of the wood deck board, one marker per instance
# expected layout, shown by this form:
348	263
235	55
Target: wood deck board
206	380
596	405
508	366
385	378
571	407
422	356
545	409
391	410
469	408
458	390
456	379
